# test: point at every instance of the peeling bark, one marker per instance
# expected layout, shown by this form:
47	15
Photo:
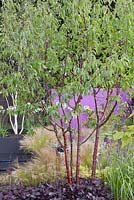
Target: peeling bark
66	152
95	153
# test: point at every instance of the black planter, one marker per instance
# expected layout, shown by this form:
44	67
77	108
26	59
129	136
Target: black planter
10	152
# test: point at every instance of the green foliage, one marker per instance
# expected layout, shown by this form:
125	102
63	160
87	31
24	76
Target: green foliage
29	128
3	131
66	32
91	120
3	128
65	45
119	176
30	124
125	136
130	120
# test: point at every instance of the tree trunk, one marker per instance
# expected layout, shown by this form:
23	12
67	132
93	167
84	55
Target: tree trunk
71	153
16	124
78	153
96	145
66	153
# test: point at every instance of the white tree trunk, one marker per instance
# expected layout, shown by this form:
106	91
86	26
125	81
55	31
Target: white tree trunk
14	117
22	124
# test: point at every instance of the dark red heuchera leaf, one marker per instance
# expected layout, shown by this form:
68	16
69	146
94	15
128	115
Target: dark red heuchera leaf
60	190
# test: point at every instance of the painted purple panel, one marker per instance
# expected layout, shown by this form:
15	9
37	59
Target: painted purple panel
88	102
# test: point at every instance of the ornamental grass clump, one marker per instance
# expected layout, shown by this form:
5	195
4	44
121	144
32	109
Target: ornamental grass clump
120	177
119	172
42	138
46	164
45	167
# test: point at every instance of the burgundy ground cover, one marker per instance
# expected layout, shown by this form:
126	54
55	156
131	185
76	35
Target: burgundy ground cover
60	190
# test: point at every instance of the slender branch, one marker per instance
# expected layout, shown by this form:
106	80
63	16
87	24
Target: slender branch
71	106
13	99
53	122
56	134
96	92
55	131
85	24
74	99
10	118
88	136
62	106
77	101
48	128
16	95
22	124
96	107
46	45
70	121
110	113
7	102
105	108
103	122
44	126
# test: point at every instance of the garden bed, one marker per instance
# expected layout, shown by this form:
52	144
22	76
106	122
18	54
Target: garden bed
86	190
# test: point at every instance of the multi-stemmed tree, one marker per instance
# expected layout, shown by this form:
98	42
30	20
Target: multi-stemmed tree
68	49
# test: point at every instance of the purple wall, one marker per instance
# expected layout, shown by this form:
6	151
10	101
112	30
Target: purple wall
88	102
